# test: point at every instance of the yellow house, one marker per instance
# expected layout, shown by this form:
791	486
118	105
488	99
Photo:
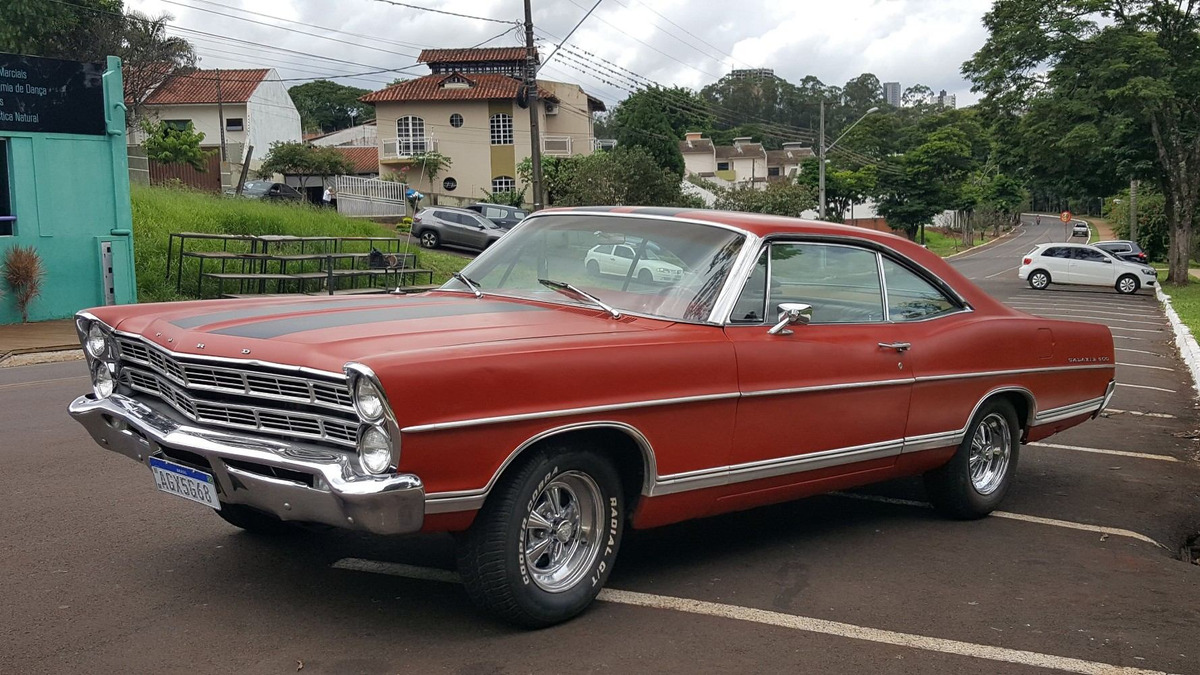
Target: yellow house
468	110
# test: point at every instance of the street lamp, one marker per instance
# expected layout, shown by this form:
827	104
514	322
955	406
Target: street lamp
825	149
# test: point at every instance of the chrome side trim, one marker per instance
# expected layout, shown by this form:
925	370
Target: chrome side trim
466	500
933	441
1017	371
739	274
565	412
828	387
740	473
1067	411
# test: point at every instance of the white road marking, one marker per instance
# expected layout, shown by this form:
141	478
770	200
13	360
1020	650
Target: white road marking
851	631
1138	365
1137	351
1142	386
1138	413
1068	524
1007	271
1136	330
1119	453
793	622
15	385
1128	337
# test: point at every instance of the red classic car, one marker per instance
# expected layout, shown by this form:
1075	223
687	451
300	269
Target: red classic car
540	407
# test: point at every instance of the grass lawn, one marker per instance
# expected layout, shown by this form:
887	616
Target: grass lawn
157	212
1185	299
946	244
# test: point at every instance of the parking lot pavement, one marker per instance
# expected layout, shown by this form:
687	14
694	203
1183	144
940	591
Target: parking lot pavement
102	574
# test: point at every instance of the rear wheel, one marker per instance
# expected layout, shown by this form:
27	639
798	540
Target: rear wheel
1127	284
593	268
973	483
544	543
1039	280
430	239
253	521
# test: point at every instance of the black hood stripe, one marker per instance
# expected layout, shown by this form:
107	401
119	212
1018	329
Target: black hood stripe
279	327
271	310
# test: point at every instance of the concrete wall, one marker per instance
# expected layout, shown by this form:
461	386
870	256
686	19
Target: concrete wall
271	117
70	194
571	120
204	118
698	163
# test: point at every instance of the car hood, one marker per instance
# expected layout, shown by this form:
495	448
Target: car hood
326	332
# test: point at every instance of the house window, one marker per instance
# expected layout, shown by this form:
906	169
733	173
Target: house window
456	120
449	185
410	136
502	129
234	124
7	220
772	171
503	184
722	166
177	125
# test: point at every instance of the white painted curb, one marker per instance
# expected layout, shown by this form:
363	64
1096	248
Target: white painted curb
1189	349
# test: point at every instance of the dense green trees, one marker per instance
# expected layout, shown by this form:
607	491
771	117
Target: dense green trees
304	161
326	106
626	175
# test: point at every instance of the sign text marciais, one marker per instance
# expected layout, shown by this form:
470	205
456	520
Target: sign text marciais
51	96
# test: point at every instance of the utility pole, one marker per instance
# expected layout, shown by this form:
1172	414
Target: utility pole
821	170
535	138
221	117
1133	185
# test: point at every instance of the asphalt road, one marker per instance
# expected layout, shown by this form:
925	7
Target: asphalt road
102	574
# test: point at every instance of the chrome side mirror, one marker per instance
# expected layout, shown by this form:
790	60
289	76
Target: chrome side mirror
790	313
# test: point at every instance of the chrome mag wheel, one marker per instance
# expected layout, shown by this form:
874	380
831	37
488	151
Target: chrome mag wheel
1127	284
563	531
991	447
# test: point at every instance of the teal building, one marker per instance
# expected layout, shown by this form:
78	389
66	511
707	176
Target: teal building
64	182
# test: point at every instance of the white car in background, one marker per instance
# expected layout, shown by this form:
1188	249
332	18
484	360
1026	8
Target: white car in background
1084	265
1080	229
615	259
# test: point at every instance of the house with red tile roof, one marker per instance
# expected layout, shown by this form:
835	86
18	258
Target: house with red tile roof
252	106
469	109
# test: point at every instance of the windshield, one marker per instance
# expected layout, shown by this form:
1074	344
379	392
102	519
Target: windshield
669	269
256	187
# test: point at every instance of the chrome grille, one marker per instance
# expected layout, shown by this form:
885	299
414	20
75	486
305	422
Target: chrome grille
199	392
335	395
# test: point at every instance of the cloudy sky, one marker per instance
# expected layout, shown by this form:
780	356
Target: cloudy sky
624	42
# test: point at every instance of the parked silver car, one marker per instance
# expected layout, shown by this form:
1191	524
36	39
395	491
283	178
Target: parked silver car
443	225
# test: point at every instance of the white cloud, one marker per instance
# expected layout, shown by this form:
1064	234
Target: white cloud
910	41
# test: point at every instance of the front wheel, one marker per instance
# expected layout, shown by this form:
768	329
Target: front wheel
430	239
1039	280
973	483
544	543
1127	284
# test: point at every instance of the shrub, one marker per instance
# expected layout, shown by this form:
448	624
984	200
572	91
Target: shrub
23	271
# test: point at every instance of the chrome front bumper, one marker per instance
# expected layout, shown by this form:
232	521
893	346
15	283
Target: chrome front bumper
295	482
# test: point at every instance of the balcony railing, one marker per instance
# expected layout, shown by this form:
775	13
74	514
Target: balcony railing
401	148
603	143
556	145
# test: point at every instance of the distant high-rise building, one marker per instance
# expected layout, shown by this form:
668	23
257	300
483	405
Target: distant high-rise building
891	93
752	74
945	100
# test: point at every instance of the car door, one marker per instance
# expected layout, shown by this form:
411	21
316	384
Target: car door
830	393
1091	267
463	227
1057	261
620	260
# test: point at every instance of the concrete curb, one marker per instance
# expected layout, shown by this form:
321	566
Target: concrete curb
17	359
1189	349
993	242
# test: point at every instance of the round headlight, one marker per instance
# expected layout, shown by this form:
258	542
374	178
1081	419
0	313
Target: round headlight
97	341
368	401
375	450
103	381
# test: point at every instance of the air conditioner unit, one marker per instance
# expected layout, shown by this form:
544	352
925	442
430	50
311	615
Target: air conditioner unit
551	108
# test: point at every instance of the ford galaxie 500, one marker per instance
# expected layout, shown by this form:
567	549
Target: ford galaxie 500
539	409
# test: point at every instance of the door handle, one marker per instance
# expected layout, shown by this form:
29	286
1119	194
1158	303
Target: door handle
898	346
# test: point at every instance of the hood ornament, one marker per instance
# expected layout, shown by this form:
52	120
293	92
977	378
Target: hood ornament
199	345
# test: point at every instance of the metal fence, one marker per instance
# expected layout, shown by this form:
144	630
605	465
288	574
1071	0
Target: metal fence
367	197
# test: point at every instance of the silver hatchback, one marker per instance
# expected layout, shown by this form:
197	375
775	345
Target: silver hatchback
443	225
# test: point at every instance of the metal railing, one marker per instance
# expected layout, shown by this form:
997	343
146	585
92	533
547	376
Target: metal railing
398	148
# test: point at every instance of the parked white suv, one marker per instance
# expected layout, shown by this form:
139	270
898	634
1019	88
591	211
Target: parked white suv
1085	265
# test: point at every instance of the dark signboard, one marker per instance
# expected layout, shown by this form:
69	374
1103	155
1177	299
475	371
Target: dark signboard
51	96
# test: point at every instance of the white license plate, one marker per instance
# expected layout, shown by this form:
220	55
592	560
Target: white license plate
184	481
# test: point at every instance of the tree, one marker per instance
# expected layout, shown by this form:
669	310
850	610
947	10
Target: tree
917	95
149	56
304	161
328	106
843	185
170	145
925	181
626	175
430	164
643	121
784	198
82	30
1118	76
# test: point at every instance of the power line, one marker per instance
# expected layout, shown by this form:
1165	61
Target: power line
571	32
325	28
447	13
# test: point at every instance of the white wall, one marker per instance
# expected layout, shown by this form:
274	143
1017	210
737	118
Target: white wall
271	117
699	162
203	116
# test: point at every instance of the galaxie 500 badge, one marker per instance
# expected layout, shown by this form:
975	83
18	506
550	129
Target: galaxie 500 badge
1088	359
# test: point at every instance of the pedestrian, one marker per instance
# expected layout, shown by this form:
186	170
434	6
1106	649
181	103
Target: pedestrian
327	198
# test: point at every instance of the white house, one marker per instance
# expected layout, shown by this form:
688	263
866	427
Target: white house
743	164
253	106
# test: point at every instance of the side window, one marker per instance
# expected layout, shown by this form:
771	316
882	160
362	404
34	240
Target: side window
604	250
1057	252
493	212
910	297
624	252
841	283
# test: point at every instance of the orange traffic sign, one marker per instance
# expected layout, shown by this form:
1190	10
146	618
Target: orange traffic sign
1065	216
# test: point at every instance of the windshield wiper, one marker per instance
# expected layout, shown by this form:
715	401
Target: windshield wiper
568	289
459	276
